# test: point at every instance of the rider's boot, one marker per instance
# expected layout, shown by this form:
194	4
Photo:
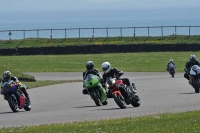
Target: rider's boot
85	91
25	93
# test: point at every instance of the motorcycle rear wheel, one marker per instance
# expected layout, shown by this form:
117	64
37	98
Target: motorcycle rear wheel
120	101
13	104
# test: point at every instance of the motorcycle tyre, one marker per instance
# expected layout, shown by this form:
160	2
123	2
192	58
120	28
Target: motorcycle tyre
136	103
12	104
120	102
196	86
93	94
27	107
105	103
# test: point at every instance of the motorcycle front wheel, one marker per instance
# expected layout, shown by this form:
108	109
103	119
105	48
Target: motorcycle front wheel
196	86
120	101
13	104
135	102
27	107
96	97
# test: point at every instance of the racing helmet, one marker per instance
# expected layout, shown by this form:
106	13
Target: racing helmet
90	65
106	67
7	75
193	58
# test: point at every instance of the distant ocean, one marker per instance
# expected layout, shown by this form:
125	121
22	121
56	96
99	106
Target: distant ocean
98	19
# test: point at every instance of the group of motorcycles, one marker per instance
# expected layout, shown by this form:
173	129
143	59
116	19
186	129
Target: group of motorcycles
194	75
15	97
99	93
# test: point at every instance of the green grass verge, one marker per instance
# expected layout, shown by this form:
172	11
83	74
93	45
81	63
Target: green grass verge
39	83
128	62
42	42
187	122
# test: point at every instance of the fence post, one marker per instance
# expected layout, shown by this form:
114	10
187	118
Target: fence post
24	34
51	34
175	31
134	34
37	33
65	33
10	34
79	34
189	31
121	31
107	31
148	31
162	31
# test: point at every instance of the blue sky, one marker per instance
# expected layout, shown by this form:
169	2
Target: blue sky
55	5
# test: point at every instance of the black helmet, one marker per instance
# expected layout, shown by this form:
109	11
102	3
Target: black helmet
193	58
90	65
7	75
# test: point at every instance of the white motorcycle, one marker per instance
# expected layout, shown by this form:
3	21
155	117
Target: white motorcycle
194	77
171	69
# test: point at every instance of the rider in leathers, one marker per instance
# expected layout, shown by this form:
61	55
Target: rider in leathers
8	76
189	64
90	70
113	72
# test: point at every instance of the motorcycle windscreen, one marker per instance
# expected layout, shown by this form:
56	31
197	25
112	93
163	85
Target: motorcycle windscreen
91	81
195	70
171	65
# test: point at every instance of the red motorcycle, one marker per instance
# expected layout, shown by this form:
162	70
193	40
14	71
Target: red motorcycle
114	84
15	97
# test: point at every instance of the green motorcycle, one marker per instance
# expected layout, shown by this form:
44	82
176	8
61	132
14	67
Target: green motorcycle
95	89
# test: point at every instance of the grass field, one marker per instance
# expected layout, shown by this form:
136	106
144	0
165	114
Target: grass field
42	42
128	62
187	122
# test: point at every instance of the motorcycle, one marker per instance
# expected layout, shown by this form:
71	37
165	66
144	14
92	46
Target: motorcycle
95	89
15	97
194	77
171	69
114	84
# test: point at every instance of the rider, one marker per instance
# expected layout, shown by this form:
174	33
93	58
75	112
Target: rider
90	70
8	76
113	72
170	61
189	64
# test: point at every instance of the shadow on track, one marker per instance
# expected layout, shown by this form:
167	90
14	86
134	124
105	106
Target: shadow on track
189	93
115	108
11	112
86	106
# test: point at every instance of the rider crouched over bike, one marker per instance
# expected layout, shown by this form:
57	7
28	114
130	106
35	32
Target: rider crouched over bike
114	72
7	76
188	65
90	70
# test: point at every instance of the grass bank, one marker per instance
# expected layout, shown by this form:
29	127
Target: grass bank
44	42
128	62
187	122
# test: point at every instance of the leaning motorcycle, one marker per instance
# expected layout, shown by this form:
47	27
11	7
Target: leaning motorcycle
171	69
15	97
194	77
114	84
95	89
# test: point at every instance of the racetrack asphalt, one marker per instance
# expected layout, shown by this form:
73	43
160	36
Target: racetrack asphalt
158	91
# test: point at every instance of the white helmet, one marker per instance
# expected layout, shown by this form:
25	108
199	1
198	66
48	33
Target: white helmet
106	67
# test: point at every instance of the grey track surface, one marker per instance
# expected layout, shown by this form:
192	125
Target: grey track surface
159	93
